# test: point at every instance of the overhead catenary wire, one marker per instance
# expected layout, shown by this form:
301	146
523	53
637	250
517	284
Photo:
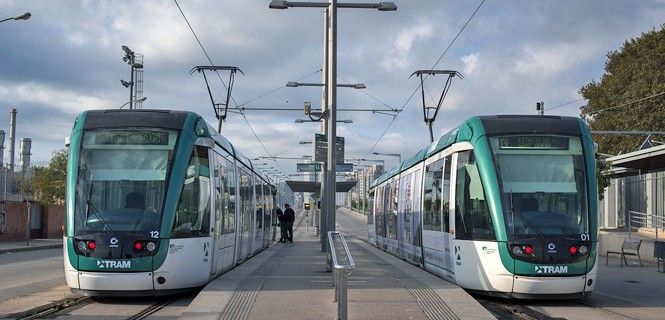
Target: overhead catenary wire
628	103
434	66
364	91
564	104
220	78
276	89
202	48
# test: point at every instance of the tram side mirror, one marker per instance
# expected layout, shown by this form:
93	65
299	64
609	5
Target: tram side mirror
205	142
67	141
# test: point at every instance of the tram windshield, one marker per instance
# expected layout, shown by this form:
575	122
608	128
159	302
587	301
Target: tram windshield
543	185
121	180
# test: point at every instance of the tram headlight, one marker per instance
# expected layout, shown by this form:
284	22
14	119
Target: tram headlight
150	246
82	246
584	249
517	250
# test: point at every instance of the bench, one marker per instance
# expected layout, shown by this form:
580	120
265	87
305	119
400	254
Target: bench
629	247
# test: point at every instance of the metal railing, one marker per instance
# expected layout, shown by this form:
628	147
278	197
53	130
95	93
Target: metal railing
645	220
343	265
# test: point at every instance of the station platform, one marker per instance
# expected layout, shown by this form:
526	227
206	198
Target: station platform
289	281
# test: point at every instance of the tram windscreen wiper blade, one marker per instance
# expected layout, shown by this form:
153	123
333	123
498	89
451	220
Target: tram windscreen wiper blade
527	222
95	211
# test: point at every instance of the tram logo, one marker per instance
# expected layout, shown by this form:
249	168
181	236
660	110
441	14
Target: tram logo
113	242
112	264
551	248
551	269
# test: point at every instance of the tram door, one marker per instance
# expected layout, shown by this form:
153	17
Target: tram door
380	217
409	218
471	224
436	208
217	216
245	214
258	218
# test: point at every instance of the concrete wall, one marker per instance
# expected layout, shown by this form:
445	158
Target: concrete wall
612	241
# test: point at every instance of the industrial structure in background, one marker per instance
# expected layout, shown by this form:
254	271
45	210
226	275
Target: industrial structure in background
10	179
15	204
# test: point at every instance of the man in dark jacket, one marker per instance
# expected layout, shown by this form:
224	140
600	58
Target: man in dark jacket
282	225
289	218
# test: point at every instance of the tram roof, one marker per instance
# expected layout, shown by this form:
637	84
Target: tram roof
475	127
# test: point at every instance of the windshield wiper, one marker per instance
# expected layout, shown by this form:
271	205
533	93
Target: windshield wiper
526	221
95	211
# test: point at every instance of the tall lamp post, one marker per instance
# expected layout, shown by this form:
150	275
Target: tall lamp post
130	59
23	16
331	90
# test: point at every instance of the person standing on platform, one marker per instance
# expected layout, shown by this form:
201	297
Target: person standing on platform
289	219
282	224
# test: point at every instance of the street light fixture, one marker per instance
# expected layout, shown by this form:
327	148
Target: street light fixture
399	156
294	84
305	142
305	120
137	100
23	16
381	6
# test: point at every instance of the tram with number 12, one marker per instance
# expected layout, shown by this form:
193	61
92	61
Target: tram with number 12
157	203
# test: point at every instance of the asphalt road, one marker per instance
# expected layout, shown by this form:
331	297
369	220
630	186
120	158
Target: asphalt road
29	272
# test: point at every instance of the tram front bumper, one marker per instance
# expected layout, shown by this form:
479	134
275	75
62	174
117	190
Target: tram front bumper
576	285
108	281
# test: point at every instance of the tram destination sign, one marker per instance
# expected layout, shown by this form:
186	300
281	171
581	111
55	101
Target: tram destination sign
132	137
321	148
309	167
533	143
316	167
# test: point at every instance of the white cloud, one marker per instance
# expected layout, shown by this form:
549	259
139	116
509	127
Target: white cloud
470	63
399	55
65	100
553	59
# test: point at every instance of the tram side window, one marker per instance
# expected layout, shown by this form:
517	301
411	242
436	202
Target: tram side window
392	210
445	195
258	188
432	196
472	215
380	227
192	218
370	208
416	208
229	182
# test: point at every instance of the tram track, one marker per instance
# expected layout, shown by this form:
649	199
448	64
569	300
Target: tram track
51	309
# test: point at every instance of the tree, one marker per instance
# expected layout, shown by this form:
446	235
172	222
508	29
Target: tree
631	93
48	182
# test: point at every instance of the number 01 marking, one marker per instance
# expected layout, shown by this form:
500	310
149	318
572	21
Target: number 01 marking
585	237
154	234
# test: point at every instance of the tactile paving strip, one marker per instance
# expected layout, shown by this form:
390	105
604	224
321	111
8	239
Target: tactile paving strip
432	305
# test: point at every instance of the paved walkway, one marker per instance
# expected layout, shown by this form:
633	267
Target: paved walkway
35	244
289	281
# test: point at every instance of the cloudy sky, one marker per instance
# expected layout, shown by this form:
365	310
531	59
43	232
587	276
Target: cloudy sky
67	59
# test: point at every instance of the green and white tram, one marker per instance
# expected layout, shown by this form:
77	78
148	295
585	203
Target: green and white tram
158	202
502	205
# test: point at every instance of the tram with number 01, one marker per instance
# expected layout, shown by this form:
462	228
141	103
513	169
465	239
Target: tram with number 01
501	205
157	203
